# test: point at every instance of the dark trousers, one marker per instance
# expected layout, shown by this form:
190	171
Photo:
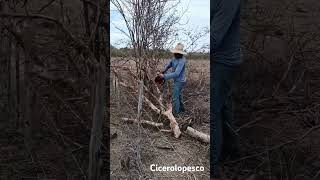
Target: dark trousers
223	140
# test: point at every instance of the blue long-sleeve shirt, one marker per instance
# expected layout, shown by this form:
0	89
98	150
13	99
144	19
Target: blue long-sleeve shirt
179	70
225	32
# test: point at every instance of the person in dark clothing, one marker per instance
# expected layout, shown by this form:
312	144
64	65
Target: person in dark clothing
225	58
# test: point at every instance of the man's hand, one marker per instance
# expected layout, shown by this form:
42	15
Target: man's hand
161	75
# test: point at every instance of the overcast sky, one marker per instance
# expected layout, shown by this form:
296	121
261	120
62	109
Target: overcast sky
197	17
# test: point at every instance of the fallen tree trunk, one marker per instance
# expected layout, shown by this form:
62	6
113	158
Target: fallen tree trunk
150	123
198	135
189	130
173	122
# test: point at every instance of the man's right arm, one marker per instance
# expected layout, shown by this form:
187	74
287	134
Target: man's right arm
223	15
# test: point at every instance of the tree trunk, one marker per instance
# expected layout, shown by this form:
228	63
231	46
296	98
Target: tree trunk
95	161
6	79
86	18
96	131
26	103
18	107
13	82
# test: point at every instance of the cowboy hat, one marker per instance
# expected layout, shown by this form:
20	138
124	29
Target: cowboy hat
179	49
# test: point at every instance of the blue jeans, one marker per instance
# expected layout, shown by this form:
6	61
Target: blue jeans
177	97
222	138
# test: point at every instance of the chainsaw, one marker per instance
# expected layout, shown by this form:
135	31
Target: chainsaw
159	80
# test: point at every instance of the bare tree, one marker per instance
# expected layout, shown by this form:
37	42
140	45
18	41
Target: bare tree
95	161
150	26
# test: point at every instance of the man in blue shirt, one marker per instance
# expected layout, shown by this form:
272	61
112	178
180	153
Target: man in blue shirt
225	58
178	64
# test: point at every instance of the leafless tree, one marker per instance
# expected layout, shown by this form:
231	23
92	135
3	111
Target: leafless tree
150	25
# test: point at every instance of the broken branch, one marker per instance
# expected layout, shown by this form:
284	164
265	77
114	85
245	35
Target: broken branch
150	123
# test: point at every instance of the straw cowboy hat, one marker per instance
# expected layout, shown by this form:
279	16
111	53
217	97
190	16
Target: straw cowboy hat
179	49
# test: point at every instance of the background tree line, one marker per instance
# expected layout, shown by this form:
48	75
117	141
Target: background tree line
162	54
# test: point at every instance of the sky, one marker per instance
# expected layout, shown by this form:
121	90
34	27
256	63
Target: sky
196	17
